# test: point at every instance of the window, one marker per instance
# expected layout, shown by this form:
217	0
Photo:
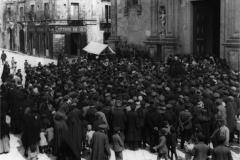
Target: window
74	11
46	11
21	11
32	8
133	2
9	13
107	13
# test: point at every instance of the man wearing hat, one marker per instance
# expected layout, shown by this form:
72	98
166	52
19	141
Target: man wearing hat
154	121
221	152
100	144
119	120
185	124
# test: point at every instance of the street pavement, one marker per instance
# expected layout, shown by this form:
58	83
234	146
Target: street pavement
20	59
17	150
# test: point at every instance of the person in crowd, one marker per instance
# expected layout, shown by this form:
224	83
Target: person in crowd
162	147
185	124
100	145
5	130
89	135
60	129
118	145
119	119
6	71
221	152
25	64
73	137
43	141
133	128
200	151
12	62
73	94
3	57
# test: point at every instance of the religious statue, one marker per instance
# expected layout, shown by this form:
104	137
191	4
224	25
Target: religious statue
162	17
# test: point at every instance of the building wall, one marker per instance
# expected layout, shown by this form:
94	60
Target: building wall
134	28
58	10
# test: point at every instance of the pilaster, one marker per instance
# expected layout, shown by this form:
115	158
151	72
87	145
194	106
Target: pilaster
114	38
231	28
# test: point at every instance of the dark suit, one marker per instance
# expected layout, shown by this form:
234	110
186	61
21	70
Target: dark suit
221	153
200	151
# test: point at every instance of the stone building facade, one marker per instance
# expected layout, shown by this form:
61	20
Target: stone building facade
45	28
169	27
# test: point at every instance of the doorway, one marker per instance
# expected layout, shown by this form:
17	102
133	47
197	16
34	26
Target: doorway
74	44
21	39
10	38
206	27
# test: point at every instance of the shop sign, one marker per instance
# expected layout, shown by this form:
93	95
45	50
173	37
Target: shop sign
59	29
69	29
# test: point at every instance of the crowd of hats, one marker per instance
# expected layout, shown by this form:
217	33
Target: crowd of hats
128	81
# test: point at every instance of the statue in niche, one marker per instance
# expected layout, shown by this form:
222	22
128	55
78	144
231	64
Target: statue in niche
162	17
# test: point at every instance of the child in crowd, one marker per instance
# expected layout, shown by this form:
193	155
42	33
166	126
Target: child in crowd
14	67
43	141
12	62
89	135
33	152
173	143
162	147
49	134
118	144
25	64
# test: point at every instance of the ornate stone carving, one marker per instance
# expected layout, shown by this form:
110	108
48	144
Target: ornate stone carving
162	18
139	9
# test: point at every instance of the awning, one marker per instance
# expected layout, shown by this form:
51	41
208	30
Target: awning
97	48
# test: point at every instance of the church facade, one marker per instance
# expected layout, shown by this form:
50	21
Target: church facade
168	27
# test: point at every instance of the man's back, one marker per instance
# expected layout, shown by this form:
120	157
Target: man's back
221	153
200	151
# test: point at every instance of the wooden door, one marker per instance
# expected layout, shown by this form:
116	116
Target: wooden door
199	28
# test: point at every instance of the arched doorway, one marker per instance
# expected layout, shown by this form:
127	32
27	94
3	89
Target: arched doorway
9	30
21	41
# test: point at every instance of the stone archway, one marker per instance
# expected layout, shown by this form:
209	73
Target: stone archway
21	41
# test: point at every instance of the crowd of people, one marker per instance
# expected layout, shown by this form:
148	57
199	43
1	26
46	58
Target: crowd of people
134	102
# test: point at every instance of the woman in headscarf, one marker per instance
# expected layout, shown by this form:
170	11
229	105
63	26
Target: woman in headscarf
73	137
31	129
99	120
4	130
6	72
60	128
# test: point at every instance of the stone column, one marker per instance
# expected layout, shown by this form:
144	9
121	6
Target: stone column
230	32
113	39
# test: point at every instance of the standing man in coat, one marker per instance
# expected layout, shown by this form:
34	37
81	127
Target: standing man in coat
3	57
133	128
100	145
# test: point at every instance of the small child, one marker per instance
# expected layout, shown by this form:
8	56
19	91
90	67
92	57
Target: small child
12	62
118	145
43	141
89	135
14	67
49	133
162	147
25	64
33	152
173	144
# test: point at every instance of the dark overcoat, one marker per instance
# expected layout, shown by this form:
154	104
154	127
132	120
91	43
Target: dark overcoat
133	126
